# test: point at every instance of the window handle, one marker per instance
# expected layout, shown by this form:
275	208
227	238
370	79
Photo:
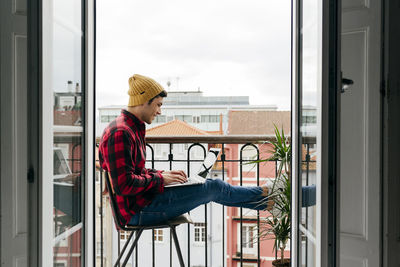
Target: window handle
346	83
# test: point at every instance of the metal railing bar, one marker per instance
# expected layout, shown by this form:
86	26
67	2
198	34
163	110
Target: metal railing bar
258	213
170	158
206	236
218	139
101	217
137	253
200	160
153	247
307	159
119	244
153	251
223	207
241	210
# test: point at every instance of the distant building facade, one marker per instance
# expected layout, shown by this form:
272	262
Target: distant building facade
203	112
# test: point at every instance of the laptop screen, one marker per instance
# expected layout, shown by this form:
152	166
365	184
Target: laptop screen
60	165
208	162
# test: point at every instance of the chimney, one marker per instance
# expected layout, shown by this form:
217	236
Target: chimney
221	131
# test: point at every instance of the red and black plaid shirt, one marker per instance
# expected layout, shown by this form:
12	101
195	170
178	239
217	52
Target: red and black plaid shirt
122	152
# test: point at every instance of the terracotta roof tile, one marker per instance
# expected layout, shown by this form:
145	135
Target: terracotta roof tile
175	128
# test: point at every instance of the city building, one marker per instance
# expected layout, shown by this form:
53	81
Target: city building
203	112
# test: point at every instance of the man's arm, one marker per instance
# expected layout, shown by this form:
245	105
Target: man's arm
122	165
170	177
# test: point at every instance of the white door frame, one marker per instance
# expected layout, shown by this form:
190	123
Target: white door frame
329	84
46	137
90	135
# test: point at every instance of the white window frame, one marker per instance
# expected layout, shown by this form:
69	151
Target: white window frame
98	248
123	235
199	227
196	119
246	249
159	234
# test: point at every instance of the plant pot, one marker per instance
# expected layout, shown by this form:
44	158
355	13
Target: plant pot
279	263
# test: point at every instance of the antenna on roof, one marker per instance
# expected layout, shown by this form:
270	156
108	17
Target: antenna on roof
168	84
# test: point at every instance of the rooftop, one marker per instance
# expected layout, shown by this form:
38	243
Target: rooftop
258	122
175	128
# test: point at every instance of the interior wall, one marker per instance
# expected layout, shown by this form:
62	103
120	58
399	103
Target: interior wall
391	129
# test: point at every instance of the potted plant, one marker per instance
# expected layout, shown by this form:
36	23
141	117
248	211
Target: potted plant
278	225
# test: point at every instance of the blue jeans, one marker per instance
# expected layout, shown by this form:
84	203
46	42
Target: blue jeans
179	200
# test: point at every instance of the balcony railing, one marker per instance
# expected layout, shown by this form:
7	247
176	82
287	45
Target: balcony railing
218	238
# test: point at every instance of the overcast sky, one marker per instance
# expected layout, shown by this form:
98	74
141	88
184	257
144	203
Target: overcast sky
223	47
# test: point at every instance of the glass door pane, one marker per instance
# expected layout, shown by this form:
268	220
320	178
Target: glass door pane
309	107
68	131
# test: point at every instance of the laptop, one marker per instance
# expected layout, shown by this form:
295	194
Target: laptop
62	174
205	168
60	165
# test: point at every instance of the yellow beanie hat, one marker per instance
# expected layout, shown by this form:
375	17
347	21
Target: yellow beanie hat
142	89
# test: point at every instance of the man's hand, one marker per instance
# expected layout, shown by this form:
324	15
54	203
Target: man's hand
174	177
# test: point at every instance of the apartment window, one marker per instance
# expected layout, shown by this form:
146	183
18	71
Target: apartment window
97	176
124	235
99	248
160	119
158	235
186	118
101	211
209	118
107	118
170	118
248	236
196	119
199	232
160	151
249	240
309	119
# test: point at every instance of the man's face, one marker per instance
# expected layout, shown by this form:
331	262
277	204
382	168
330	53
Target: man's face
150	111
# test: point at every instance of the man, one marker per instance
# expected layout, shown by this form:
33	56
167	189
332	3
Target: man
141	196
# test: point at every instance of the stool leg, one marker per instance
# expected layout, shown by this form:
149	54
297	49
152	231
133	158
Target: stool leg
178	249
123	249
138	233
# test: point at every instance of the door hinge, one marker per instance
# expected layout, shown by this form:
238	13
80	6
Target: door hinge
30	175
